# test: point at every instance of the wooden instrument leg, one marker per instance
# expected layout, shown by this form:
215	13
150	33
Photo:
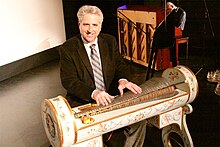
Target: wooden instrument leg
183	132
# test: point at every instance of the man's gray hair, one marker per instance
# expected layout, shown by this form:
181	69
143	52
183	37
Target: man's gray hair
88	9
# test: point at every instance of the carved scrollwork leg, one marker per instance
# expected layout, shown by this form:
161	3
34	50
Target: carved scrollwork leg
172	133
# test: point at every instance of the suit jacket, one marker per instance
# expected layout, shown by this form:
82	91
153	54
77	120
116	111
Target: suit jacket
76	71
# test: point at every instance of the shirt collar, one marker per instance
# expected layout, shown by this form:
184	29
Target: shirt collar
89	43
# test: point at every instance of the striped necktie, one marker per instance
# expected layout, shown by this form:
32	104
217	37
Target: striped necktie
97	69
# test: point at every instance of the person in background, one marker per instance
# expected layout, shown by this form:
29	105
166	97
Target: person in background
164	34
180	16
91	66
179	19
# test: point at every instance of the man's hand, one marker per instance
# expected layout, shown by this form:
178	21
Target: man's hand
102	97
123	83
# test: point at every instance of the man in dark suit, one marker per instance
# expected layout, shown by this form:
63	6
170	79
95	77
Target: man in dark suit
79	77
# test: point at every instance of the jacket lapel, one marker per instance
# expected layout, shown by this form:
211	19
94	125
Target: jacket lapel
84	57
103	49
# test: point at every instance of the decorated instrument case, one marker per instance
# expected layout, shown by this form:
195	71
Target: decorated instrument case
85	125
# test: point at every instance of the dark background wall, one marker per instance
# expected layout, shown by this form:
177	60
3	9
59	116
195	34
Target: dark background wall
202	30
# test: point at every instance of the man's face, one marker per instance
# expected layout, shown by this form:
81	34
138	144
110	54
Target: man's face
169	7
90	27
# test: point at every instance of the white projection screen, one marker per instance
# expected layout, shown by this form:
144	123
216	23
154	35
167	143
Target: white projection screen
28	27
